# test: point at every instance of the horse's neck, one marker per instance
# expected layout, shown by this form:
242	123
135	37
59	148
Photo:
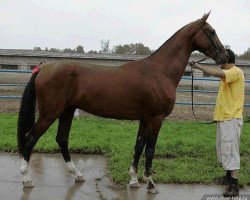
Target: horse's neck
173	56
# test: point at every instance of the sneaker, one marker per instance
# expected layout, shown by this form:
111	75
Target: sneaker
232	191
223	180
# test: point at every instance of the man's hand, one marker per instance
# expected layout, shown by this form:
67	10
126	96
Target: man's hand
193	64
208	70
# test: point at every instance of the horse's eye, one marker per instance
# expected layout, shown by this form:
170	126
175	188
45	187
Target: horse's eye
213	32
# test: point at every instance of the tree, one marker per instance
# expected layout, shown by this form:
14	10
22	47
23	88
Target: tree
122	49
37	48
68	50
79	49
92	51
140	49
104	46
54	50
245	55
137	48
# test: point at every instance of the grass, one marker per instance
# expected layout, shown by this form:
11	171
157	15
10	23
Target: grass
185	151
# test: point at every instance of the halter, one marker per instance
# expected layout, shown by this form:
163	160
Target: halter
211	41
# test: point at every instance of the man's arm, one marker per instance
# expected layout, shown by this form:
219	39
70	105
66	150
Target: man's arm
208	70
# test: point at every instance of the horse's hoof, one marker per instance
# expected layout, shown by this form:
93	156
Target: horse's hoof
135	185
153	191
28	184
80	179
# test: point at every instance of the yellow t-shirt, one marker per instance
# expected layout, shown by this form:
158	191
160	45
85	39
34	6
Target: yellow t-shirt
230	99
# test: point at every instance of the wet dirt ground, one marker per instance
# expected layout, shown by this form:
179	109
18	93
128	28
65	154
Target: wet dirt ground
53	182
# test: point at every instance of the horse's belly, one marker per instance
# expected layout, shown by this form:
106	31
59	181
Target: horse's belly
111	109
128	110
121	104
106	113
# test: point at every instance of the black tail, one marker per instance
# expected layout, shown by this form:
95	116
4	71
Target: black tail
26	118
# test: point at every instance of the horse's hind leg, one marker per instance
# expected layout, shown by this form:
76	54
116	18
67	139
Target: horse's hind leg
139	146
65	121
40	127
153	128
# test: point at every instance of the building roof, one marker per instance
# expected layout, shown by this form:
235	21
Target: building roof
101	56
50	54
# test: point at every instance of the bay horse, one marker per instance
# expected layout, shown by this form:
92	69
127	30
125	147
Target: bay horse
143	90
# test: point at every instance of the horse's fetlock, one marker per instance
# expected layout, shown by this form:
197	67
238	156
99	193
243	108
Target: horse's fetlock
24	167
71	167
132	171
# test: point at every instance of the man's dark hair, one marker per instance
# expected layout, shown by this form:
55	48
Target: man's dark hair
231	56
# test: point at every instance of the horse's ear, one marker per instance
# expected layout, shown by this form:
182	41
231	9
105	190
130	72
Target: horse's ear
204	18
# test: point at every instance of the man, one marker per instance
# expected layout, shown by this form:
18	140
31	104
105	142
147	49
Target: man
228	115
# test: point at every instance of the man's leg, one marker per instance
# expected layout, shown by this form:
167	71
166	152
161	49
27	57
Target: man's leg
225	179
230	153
235	174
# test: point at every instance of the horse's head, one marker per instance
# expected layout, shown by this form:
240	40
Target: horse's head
206	41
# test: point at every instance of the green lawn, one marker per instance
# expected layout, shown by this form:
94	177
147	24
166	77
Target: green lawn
185	151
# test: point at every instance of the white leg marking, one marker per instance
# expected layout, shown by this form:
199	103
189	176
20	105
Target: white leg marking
72	169
134	183
146	179
27	182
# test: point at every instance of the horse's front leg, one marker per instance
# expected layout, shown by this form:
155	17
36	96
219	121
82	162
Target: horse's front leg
139	146
153	128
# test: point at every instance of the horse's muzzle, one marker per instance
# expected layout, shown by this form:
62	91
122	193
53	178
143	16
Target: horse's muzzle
222	58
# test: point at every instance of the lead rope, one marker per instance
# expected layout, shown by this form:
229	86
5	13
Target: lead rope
192	93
